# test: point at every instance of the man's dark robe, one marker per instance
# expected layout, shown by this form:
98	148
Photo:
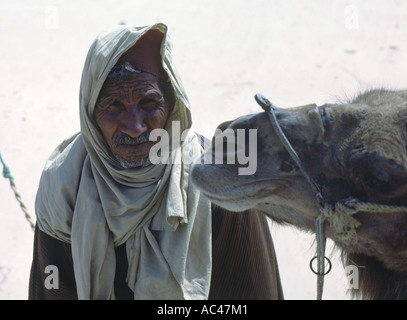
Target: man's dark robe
244	264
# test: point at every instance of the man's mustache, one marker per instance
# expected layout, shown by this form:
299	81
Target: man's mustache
123	138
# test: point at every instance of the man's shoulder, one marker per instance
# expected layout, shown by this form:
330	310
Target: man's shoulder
64	167
71	150
59	184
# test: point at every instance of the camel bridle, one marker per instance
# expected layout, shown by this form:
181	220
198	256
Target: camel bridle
339	214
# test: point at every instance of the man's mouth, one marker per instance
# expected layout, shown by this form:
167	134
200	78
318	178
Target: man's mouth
133	150
133	145
124	140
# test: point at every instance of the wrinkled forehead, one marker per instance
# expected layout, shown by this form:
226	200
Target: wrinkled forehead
145	55
139	67
136	81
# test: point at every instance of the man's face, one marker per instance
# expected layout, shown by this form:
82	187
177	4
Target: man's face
127	111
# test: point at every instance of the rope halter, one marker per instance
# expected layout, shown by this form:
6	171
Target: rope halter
338	215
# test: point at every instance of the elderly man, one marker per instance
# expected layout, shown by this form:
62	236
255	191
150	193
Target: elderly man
113	224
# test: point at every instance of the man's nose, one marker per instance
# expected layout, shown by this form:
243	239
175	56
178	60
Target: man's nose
132	122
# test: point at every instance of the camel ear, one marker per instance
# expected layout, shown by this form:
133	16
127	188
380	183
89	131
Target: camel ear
319	119
316	121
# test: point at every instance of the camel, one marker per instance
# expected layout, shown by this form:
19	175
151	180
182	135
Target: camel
356	152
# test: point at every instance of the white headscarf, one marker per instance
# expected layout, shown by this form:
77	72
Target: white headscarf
85	200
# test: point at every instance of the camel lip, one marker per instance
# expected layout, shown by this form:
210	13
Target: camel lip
245	193
202	176
236	203
282	182
234	193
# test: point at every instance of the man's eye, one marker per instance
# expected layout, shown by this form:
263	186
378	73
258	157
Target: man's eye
146	101
117	104
148	104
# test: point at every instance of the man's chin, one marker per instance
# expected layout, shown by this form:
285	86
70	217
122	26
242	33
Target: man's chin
128	164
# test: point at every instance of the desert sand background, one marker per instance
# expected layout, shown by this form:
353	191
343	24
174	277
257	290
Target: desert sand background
294	52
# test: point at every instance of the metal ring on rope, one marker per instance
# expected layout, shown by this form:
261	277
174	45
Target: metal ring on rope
270	109
316	272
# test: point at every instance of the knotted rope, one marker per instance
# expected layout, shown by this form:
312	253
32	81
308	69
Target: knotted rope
344	225
7	175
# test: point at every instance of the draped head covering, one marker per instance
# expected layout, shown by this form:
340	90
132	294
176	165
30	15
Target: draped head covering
86	199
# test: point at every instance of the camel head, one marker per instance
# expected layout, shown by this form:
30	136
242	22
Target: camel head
353	150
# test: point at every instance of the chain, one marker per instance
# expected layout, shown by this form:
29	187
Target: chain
7	175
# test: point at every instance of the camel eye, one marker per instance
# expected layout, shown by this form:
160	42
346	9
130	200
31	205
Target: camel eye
375	181
371	170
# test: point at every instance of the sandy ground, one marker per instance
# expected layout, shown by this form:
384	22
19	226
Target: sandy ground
295	52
